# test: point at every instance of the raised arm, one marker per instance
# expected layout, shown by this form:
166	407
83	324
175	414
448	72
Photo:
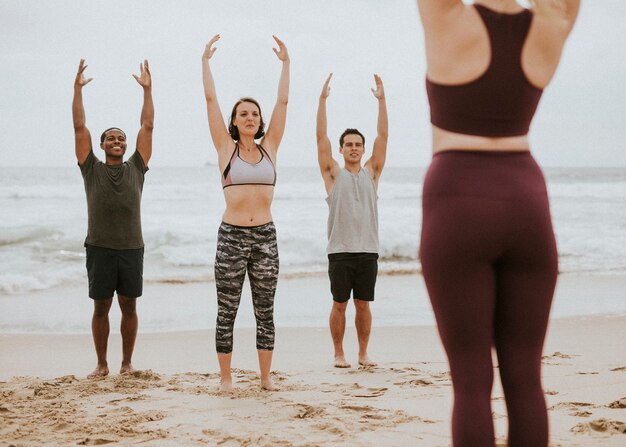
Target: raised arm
82	137
328	166
377	161
219	133
144	137
276	127
572	7
565	11
433	11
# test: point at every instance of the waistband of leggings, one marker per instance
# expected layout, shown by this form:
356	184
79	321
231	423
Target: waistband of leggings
491	153
252	227
490	174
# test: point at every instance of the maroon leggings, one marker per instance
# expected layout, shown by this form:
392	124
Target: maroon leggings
489	260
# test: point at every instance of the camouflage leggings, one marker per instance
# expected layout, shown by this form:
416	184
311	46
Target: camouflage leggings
239	249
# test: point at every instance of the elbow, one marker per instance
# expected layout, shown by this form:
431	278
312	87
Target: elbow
284	100
148	125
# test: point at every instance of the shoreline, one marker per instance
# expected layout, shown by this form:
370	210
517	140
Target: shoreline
302	301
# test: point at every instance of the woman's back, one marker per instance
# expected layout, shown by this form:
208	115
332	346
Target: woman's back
459	53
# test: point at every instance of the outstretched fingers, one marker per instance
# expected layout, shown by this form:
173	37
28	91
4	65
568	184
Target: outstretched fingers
80	79
144	74
81	66
326	88
281	52
208	49
379	91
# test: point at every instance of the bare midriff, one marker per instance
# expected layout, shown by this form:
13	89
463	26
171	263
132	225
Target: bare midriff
445	140
248	205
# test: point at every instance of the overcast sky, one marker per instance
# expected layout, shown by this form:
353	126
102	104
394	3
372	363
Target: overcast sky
581	120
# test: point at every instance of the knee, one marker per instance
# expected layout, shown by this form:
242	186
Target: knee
127	306
471	381
523	380
361	306
101	307
340	307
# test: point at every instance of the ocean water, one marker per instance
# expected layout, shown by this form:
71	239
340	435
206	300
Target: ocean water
44	225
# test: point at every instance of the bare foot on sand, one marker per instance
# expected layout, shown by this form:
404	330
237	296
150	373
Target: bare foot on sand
340	362
226	386
366	361
100	371
269	385
126	368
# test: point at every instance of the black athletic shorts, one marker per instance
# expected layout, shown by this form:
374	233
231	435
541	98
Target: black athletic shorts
352	272
111	271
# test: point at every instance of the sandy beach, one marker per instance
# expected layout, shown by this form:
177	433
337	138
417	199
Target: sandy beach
172	399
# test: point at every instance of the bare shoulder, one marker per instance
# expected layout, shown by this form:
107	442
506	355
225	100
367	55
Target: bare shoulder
437	13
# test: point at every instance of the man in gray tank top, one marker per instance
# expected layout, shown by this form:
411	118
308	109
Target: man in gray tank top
114	243
352	222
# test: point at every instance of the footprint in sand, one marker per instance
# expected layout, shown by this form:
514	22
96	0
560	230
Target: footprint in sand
557	355
620	403
308	411
621	368
129	399
600	425
96	441
375	418
570	406
359	391
419	382
552	358
581	414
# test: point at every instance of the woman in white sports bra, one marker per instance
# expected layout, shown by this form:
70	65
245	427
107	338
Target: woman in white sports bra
247	237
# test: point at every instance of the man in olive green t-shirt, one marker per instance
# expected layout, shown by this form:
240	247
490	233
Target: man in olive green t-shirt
114	243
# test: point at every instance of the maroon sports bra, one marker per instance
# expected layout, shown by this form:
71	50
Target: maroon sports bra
501	102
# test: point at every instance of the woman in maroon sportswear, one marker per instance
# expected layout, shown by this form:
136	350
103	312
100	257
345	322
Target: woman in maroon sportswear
487	248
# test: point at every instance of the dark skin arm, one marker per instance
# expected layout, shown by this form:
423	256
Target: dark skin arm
144	137
82	137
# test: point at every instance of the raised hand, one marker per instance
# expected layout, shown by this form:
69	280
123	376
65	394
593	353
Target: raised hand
80	80
144	79
379	92
208	50
326	88
281	52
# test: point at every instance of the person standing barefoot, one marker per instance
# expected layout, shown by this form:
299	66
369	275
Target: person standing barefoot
487	248
114	243
246	239
352	222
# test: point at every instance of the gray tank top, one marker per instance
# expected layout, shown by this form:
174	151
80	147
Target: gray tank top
353	214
